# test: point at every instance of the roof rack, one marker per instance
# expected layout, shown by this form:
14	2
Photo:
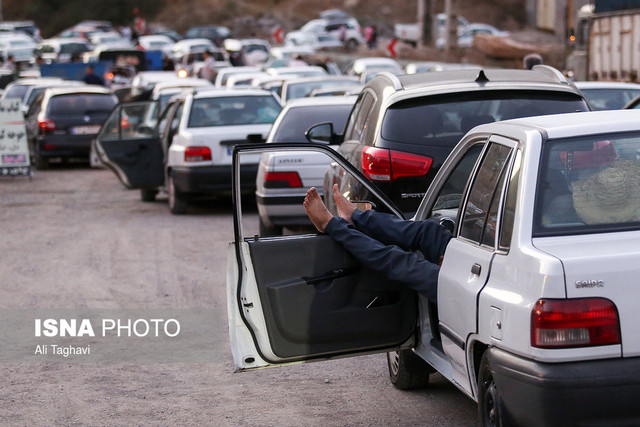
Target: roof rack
552	72
397	85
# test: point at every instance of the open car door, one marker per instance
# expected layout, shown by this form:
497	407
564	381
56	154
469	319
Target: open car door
302	297
129	144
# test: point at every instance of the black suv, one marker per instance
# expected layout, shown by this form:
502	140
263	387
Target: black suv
402	128
61	122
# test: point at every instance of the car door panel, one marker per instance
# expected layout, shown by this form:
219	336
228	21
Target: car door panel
128	143
326	301
296	298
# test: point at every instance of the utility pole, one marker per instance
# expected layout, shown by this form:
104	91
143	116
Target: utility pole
424	19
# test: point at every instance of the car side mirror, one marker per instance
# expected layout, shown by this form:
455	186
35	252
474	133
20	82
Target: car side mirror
323	134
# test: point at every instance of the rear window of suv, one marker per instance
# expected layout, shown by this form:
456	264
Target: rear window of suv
588	185
442	120
84	103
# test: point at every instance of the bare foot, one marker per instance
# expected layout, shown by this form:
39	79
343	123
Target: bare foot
316	210
345	207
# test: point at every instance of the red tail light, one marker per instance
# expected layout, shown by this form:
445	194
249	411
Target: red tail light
47	125
379	164
197	154
282	180
574	323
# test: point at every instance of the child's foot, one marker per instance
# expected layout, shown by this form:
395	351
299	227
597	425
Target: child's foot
316	210
345	207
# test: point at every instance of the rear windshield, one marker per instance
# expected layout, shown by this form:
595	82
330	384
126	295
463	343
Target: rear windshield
84	103
297	121
16	91
589	184
609	99
237	110
73	48
442	120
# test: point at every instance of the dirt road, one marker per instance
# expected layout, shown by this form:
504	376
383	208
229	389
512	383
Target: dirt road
73	239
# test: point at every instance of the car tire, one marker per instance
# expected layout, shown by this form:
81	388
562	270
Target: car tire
148	195
39	161
352	45
269	230
407	370
177	202
490	406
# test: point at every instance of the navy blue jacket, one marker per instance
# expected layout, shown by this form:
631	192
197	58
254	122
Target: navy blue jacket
388	244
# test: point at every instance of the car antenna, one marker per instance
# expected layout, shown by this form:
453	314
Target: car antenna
482	77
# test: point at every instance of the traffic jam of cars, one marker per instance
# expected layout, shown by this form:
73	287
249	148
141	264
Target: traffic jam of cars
535	177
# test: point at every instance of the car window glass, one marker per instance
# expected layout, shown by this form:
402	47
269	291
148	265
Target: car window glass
491	224
81	103
359	116
588	185
297	121
236	110
508	215
175	121
483	189
450	195
111	128
444	119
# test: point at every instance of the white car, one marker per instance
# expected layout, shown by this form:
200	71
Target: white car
183	47
361	65
608	95
146	80
283	178
301	87
333	27
19	45
187	153
536	315
298	71
157	42
223	74
468	33
62	49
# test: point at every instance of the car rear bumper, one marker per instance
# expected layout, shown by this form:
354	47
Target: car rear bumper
213	180
597	392
65	145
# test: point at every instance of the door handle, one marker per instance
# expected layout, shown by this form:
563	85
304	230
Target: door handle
475	269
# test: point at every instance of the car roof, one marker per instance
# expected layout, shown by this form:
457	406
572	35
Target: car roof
207	92
321	100
606	85
78	89
327	78
540	77
571	124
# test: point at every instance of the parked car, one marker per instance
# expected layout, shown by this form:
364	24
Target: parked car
216	33
536	314
61	122
467	34
360	65
429	66
109	38
403	127
19	87
298	71
283	178
157	42
62	49
27	27
301	87
608	95
18	45
188	152
144	81
223	74
191	63
333	27
184	47
34	90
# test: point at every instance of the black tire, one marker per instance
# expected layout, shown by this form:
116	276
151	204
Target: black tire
266	230
352	45
407	370
490	406
177	203
148	195
39	161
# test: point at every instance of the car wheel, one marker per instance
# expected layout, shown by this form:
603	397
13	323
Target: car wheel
39	161
490	406
269	230
177	202
352	44
148	195
407	370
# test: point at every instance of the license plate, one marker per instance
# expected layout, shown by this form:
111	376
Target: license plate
85	130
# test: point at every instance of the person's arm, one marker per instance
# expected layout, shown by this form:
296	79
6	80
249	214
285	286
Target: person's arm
427	236
395	263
